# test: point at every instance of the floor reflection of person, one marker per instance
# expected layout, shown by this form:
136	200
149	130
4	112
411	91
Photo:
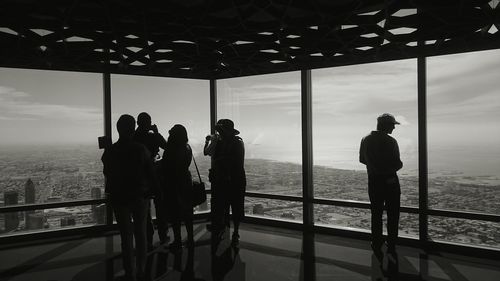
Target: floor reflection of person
129	174
380	153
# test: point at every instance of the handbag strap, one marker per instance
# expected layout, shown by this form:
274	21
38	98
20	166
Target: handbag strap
197	171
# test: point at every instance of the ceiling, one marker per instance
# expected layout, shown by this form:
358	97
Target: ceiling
214	39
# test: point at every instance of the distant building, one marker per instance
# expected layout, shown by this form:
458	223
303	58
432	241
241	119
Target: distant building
29	198
258	209
54	199
99	213
35	221
68	221
29	192
12	218
288	215
95	193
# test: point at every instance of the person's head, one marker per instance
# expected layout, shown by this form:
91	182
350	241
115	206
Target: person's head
144	120
178	135
225	127
386	123
125	126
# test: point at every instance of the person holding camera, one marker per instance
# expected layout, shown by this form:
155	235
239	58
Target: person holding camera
149	136
209	150
228	180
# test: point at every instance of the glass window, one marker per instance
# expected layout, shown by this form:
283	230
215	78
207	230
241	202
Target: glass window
360	219
276	209
168	101
50	121
51	219
266	110
346	103
463	231
464	131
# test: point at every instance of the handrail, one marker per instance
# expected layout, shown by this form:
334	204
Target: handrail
52	205
322	201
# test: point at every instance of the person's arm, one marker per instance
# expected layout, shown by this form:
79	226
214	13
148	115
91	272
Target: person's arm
209	148
362	152
240	154
150	172
105	170
398	164
162	143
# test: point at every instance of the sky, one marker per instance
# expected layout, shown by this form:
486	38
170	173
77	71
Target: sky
52	107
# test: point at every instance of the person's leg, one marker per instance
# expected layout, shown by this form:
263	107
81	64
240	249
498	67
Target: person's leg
377	208
139	214
124	222
149	229
393	198
219	206
238	209
189	229
161	220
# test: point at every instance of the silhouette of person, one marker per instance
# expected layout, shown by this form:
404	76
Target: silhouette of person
209	150
129	175
380	153
229	179
178	184
149	136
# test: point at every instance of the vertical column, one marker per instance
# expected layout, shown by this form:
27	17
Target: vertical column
422	147
213	105
106	82
307	157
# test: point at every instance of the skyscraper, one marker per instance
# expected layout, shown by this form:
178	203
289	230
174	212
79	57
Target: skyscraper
95	193
11	219
29	192
34	220
29	198
98	212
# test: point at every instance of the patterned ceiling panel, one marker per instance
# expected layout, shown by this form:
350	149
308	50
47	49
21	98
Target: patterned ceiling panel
212	39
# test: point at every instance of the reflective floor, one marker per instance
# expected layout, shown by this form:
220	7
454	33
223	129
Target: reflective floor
264	253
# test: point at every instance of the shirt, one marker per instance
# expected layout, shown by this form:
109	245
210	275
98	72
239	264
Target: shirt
380	153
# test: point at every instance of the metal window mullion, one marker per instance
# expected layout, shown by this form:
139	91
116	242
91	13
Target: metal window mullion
213	105
106	79
307	156
422	146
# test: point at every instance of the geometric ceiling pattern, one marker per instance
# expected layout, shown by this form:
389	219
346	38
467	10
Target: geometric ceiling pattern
213	39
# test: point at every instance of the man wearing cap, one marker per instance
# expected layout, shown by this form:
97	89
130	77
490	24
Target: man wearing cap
229	179
380	153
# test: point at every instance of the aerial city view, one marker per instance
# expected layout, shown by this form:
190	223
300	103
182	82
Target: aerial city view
51	174
48	149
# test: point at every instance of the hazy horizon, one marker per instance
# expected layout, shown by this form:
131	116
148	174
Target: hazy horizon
65	108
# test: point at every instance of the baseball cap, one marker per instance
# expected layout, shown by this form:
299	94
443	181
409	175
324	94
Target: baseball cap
387	118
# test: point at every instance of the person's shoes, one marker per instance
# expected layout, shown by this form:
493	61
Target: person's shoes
175	246
235	241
